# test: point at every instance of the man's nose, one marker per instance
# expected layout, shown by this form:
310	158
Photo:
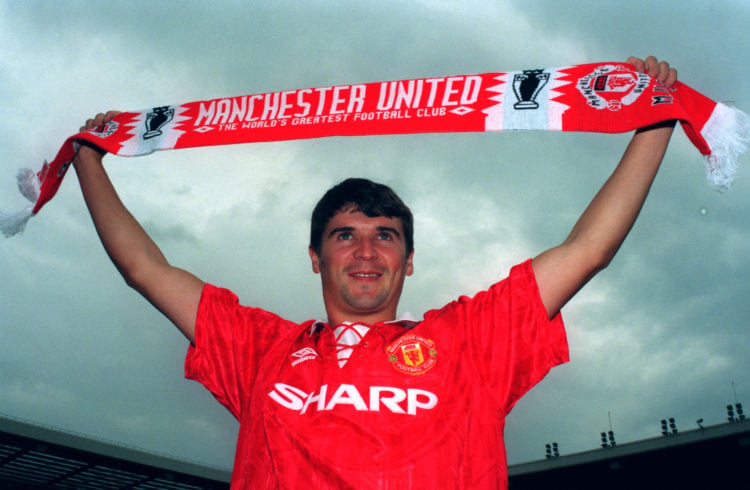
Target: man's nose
366	249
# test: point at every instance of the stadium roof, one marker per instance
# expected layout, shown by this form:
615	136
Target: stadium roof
33	456
707	457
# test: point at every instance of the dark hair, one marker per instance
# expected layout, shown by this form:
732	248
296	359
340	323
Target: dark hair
363	195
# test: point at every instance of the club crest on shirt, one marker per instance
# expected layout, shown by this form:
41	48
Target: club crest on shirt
612	87
412	354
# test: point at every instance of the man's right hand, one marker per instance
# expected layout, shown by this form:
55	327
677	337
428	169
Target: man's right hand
86	149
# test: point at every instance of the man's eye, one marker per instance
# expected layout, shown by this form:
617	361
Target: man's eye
385	236
345	235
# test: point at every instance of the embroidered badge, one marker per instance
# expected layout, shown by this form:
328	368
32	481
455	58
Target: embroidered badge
612	86
105	130
412	354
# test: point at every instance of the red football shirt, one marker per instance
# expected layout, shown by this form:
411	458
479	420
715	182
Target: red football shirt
418	404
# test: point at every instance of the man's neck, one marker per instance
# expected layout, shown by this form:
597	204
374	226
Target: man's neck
399	318
338	319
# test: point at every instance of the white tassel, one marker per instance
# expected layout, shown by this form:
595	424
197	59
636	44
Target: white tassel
13	223
727	133
28	184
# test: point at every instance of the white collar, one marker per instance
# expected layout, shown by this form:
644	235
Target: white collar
405	319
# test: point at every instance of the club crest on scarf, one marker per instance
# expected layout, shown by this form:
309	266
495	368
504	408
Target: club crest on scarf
105	130
612	86
412	354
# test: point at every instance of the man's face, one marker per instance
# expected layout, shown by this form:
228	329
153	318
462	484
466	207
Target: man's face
363	264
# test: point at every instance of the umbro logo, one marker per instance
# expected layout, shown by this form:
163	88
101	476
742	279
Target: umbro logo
302	355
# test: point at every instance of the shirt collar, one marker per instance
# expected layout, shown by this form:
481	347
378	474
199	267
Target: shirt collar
406	320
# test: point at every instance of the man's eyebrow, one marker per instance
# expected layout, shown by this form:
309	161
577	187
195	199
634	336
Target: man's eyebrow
390	229
349	229
340	229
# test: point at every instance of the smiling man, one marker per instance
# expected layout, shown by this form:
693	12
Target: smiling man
361	244
364	399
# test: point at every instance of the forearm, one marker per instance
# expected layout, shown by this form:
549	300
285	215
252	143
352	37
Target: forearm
609	217
125	241
563	270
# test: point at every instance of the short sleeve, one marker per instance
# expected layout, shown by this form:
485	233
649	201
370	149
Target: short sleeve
535	343
230	340
508	336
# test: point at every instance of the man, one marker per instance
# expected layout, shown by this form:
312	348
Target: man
363	399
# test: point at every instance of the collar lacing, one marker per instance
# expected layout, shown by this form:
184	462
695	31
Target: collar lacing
347	335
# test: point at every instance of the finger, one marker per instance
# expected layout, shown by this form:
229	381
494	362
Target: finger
639	64
98	120
671	77
87	125
94	121
667	74
111	115
663	71
652	66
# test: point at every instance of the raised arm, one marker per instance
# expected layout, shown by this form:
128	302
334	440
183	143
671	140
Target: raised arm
173	291
563	270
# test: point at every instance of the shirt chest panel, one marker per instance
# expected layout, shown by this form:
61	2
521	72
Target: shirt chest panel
379	411
394	372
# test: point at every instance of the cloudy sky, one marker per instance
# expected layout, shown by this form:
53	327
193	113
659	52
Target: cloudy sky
664	332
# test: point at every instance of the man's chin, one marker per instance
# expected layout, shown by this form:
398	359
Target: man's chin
366	305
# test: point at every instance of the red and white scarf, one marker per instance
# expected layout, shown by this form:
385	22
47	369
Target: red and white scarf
597	97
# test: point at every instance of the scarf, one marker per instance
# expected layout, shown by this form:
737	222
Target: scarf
598	97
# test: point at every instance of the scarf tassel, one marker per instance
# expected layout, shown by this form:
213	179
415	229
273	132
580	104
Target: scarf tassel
29	186
727	133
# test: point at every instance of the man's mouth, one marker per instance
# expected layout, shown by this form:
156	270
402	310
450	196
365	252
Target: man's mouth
365	275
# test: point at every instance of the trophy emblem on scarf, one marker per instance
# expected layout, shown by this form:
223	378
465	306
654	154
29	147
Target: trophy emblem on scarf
527	86
157	119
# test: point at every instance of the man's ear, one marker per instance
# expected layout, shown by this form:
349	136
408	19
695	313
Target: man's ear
315	260
410	264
